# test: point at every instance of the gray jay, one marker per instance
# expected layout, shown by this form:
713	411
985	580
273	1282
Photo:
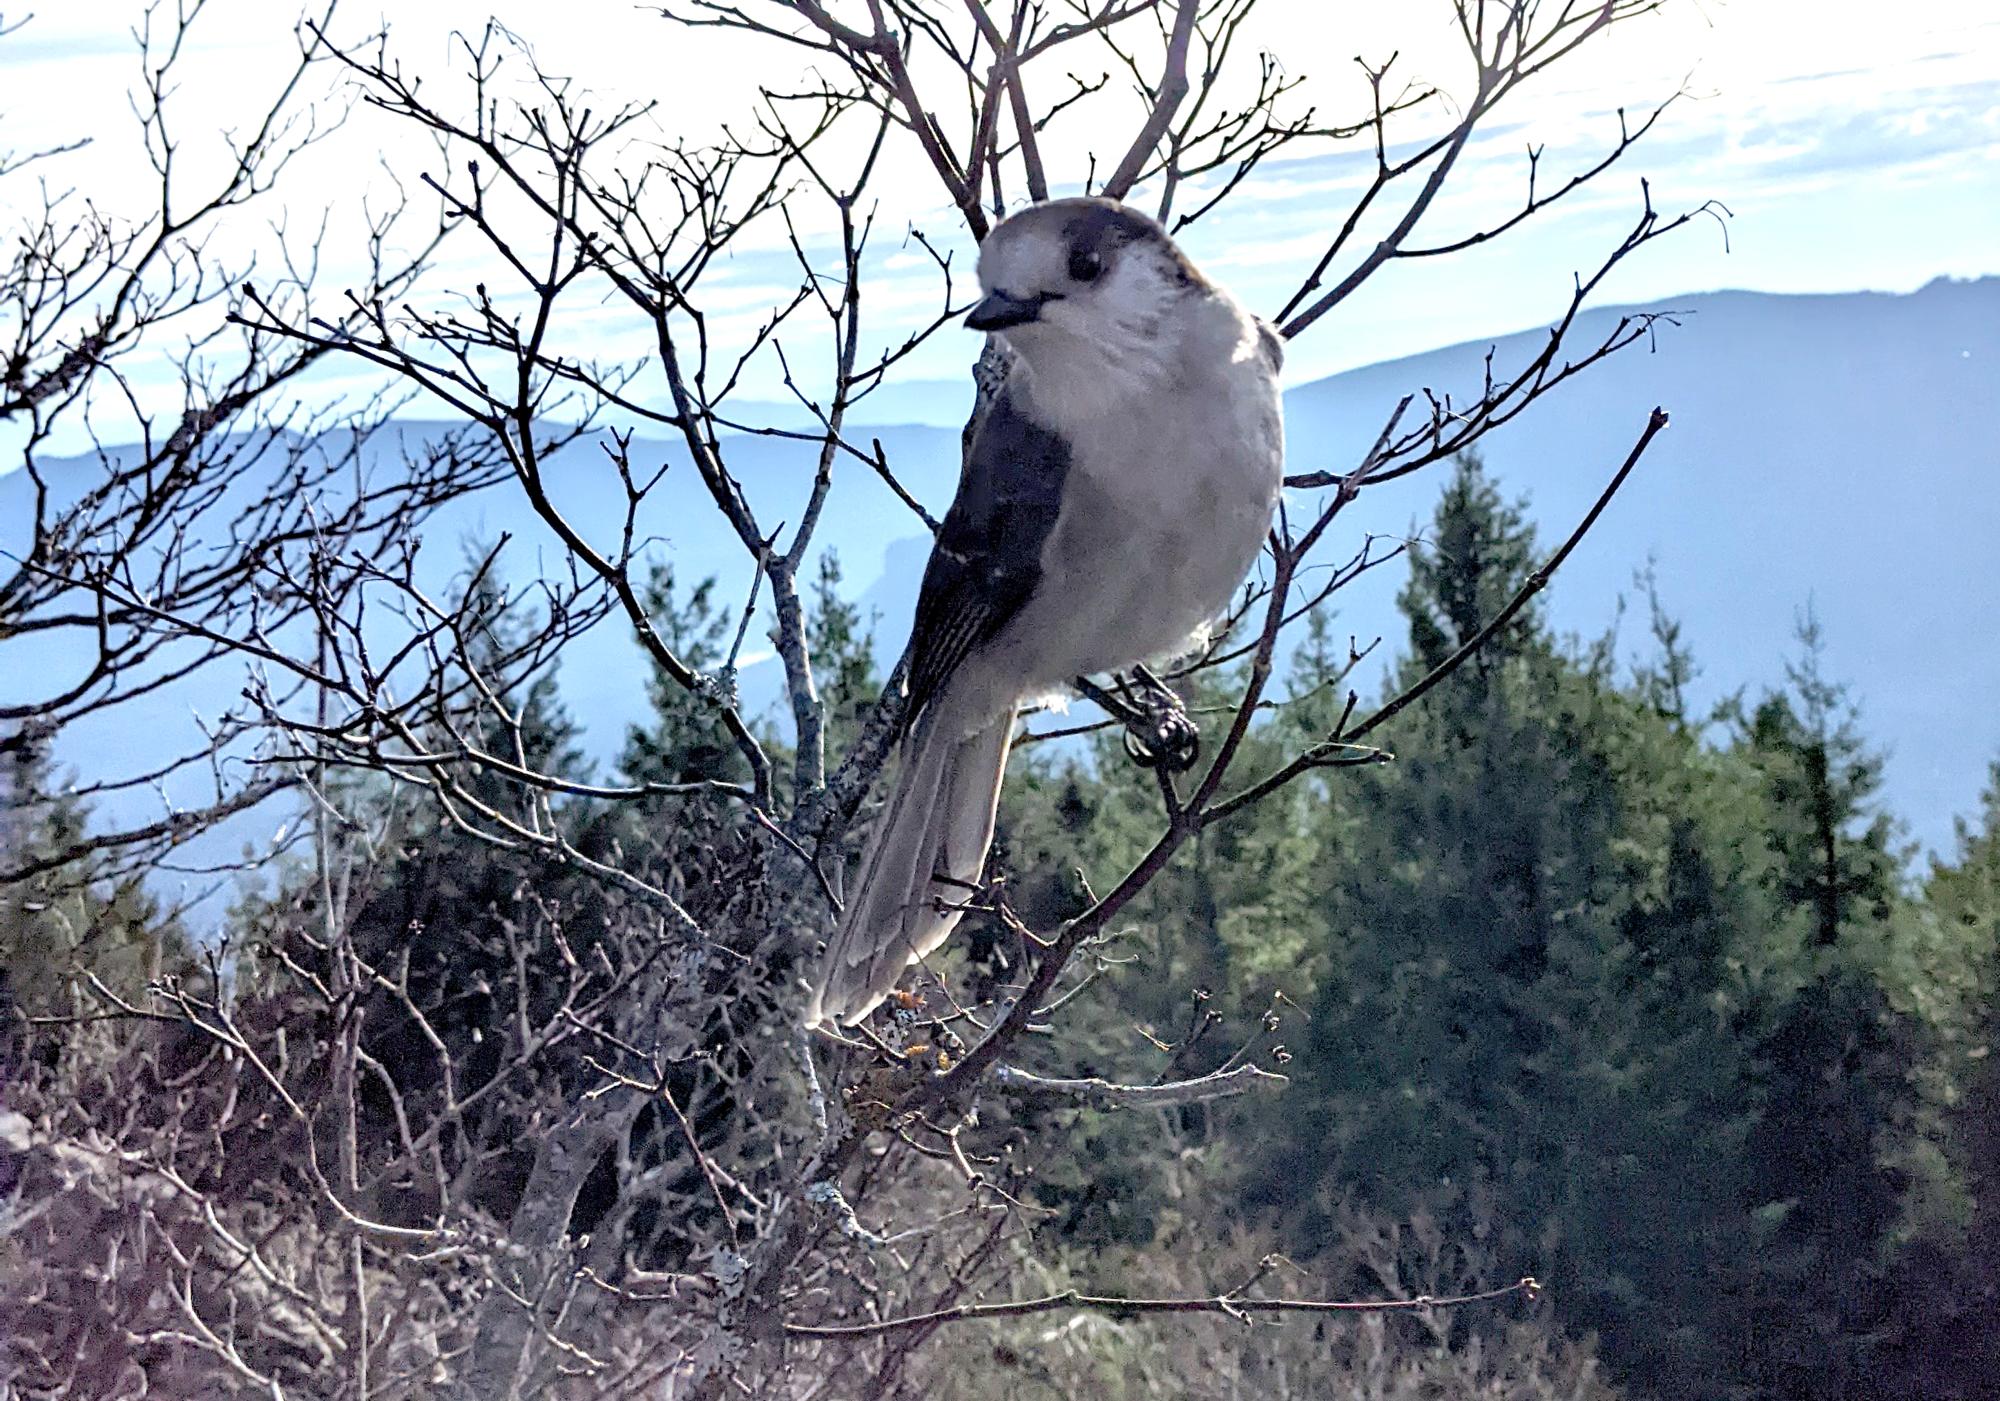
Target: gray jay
1115	492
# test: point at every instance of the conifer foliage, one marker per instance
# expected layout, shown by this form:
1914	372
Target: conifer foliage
1630	995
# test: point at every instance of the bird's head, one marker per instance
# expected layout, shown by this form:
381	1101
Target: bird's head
1076	276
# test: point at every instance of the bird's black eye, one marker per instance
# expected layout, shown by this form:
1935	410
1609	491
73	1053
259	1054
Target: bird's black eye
1084	265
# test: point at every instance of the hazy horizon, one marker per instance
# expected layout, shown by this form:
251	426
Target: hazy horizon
1850	156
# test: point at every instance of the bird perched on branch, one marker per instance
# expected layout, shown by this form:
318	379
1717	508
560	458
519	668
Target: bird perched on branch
1117	487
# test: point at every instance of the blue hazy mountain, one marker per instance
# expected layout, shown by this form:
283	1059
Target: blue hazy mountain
1836	450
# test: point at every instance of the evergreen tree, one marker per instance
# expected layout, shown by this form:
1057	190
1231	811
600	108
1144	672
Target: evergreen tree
1947	1286
1834	1059
1830	838
67	921
1531	913
682	741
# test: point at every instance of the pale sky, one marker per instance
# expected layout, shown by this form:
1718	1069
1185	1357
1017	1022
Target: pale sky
1857	144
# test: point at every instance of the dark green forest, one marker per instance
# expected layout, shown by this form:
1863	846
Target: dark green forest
1576	980
1648	999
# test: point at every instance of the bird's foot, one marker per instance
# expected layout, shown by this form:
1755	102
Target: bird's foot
1158	731
1171	739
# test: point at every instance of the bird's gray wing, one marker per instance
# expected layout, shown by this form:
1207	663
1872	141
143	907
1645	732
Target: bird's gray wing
987	558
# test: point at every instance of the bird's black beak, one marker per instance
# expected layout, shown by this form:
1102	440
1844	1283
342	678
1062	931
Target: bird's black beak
999	311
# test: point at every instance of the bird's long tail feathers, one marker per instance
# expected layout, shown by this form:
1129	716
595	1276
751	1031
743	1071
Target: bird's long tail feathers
939	822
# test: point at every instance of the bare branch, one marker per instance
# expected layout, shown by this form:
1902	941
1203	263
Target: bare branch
1231	1304
1103	1094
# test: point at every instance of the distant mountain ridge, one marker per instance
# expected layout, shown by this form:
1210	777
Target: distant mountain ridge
1837	448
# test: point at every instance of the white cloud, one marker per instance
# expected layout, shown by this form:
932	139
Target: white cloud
1798	105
